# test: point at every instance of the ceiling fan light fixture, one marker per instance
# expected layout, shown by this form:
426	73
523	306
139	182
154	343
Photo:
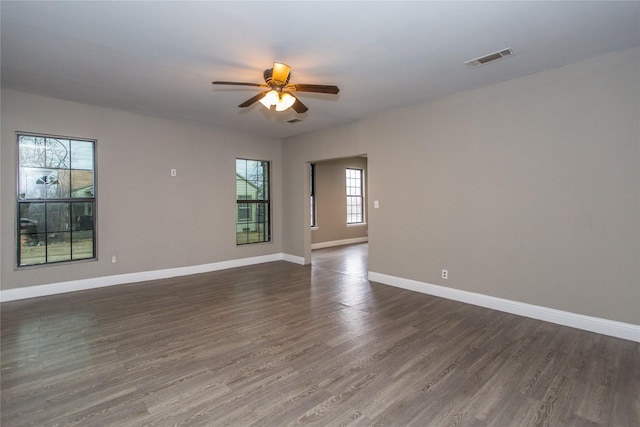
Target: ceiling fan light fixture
271	98
281	101
285	102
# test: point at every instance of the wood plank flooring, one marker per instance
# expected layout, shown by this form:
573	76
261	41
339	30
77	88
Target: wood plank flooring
280	344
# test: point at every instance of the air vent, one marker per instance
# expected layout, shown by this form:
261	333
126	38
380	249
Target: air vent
293	121
495	56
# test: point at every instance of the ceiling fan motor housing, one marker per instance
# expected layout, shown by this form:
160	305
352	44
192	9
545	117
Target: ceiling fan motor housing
268	78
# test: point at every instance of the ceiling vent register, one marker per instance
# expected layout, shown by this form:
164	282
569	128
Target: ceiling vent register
495	56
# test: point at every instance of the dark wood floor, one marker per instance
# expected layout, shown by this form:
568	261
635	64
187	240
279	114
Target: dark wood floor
280	344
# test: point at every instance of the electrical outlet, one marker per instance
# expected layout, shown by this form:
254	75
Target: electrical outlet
174	172
114	259
445	274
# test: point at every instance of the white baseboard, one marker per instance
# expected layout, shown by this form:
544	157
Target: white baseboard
593	324
332	243
121	279
294	259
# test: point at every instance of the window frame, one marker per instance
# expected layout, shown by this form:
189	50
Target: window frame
312	196
262	206
73	224
359	197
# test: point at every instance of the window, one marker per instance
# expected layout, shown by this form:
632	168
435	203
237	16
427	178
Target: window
355	196
312	192
253	206
56	199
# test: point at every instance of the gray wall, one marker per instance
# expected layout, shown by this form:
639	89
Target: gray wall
526	190
150	220
332	202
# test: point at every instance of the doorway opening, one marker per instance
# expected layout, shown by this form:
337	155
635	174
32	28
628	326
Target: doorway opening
339	224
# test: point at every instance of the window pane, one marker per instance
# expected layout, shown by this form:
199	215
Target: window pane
32	249
82	245
58	247
262	213
31	238
244	213
82	183
241	168
82	155
262	180
82	230
262	188
32	151
58	154
82	216
32	218
58	218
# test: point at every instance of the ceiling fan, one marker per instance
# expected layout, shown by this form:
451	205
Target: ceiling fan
279	90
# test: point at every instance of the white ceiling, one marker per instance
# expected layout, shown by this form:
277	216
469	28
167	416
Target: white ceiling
159	58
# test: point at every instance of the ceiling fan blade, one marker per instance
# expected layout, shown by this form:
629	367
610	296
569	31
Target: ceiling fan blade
280	73
299	107
252	100
239	84
314	88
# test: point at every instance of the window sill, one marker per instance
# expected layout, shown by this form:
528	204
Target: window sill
359	224
314	228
